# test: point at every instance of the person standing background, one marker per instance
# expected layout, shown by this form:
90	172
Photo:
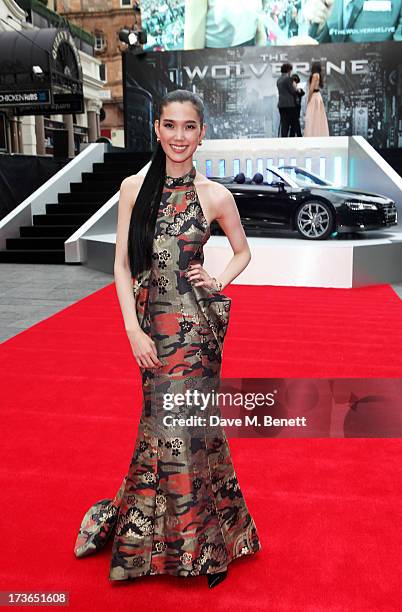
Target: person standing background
315	119
287	103
300	93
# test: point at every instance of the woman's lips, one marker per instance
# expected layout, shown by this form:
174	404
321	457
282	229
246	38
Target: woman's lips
179	148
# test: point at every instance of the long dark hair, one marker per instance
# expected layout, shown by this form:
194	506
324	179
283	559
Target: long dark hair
317	69
145	211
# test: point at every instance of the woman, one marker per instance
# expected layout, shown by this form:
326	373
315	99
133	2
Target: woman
180	509
315	119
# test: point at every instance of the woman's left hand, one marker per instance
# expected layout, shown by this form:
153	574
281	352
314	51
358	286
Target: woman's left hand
199	276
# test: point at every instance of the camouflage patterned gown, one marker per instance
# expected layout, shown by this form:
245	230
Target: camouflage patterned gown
179	509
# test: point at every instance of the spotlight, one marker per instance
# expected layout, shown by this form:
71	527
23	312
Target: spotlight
133	38
124	35
38	73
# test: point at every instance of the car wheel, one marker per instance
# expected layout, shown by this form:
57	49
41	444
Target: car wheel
315	220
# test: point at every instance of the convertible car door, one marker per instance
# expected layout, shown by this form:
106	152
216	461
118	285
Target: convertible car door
261	205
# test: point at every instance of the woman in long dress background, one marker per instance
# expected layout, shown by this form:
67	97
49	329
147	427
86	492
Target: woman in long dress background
180	509
315	119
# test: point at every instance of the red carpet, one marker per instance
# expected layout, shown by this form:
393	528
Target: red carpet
328	511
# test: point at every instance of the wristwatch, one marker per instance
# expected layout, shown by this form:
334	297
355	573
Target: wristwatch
218	284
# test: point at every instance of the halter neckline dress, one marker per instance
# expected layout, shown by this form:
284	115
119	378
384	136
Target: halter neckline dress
180	509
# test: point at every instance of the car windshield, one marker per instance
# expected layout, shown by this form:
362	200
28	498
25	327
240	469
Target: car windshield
302	177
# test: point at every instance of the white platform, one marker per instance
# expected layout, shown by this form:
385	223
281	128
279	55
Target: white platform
291	261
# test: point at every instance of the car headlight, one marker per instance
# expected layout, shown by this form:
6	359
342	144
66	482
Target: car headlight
361	206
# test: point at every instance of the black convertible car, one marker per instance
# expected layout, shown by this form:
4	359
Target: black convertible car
296	199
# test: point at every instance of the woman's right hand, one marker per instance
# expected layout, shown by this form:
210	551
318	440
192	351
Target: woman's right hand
144	349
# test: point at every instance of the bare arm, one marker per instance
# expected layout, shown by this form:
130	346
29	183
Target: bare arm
122	275
143	346
195	13
229	219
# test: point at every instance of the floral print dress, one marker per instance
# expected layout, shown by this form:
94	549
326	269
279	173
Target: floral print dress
179	509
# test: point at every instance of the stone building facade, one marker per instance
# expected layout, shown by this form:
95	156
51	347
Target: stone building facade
104	19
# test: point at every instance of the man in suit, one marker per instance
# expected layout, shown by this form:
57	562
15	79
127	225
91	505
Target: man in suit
287	102
354	20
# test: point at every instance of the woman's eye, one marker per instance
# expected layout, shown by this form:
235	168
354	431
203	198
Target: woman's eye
170	125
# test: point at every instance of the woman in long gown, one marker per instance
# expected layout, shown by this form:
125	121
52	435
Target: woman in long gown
315	119
179	509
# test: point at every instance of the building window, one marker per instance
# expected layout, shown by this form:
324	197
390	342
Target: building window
102	72
125	3
100	41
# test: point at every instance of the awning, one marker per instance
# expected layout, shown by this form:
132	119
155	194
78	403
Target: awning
39	70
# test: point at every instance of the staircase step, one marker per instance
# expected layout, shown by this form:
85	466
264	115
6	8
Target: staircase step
48	256
131	156
104	186
99	197
67	208
66	219
35	243
115	176
62	219
116	165
63	231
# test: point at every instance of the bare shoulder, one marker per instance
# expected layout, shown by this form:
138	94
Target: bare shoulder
134	181
217	191
129	189
216	197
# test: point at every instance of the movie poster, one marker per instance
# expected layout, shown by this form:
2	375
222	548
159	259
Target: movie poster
362	89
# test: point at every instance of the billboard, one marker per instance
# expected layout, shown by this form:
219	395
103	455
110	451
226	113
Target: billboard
362	89
198	24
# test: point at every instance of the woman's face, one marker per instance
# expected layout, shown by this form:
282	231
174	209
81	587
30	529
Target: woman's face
179	130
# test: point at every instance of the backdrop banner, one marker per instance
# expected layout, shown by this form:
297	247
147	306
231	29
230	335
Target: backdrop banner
362	89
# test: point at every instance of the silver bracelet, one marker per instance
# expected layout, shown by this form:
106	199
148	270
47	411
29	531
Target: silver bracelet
218	284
